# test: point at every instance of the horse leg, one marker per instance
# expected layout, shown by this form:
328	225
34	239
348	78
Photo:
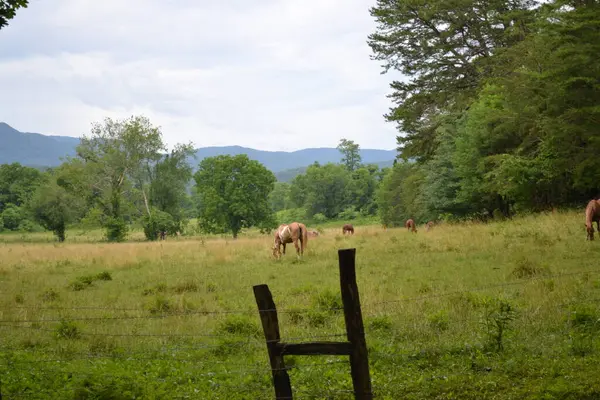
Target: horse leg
284	248
297	249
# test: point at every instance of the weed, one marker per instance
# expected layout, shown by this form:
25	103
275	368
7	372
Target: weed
187	286
439	321
104	276
50	295
380	323
160	304
67	330
239	325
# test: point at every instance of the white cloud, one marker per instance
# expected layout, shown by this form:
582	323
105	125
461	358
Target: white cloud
267	74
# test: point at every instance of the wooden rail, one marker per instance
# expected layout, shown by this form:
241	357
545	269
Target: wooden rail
355	347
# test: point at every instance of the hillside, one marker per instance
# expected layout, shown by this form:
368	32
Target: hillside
34	149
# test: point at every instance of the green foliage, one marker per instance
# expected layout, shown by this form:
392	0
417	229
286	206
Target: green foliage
444	49
158	221
116	229
8	10
399	197
351	154
233	194
497	322
115	159
54	208
12	217
278	198
67	330
17	183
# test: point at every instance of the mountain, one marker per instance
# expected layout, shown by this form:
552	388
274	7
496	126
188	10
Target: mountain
37	150
279	161
33	149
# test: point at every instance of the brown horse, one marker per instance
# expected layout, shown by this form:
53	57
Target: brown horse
313	233
347	228
592	213
410	225
428	226
291	233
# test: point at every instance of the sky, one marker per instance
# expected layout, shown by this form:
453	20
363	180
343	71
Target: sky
265	74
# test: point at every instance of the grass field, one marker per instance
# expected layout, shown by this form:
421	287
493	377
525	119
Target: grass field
91	320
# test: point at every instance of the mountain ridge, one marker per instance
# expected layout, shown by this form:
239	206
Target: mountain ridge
38	150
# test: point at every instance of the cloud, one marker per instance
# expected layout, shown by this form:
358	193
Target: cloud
267	74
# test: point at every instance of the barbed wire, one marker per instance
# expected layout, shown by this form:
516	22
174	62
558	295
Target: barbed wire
286	310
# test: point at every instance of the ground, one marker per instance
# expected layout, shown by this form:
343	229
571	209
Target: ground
507	310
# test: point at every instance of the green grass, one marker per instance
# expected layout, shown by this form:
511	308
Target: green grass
126	321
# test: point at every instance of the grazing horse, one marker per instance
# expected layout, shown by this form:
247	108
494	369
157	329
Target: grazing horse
592	213
313	233
162	235
293	232
347	228
428	226
410	225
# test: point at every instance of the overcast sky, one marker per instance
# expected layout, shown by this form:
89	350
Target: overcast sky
266	74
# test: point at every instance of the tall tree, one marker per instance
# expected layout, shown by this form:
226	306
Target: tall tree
351	154
444	49
8	10
118	155
233	193
169	183
54	208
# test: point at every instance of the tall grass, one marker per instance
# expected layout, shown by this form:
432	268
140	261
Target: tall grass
178	318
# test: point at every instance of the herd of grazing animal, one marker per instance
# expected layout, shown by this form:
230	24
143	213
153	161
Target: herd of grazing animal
297	233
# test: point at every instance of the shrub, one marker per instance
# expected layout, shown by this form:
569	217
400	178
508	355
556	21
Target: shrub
158	221
116	229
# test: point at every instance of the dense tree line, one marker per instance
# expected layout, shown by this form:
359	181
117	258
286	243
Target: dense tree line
500	109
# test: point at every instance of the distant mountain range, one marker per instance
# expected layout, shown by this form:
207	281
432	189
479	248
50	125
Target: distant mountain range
37	150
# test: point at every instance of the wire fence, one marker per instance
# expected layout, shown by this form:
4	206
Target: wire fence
14	359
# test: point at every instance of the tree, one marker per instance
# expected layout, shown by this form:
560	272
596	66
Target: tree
445	49
118	156
169	181
54	208
8	10
17	184
233	193
351	154
278	198
326	189
399	196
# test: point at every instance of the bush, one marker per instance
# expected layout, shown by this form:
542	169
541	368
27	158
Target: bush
11	217
158	221
116	229
319	218
349	213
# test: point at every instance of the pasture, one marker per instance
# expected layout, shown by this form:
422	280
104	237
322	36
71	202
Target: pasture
506	310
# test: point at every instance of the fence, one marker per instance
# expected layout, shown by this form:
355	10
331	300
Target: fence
355	347
194	355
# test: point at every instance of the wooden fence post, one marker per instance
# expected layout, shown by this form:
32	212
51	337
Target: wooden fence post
270	324
355	347
359	358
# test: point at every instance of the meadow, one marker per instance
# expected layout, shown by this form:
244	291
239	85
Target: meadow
505	310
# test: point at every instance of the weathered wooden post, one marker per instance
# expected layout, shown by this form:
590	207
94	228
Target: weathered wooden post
359	358
270	324
355	347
